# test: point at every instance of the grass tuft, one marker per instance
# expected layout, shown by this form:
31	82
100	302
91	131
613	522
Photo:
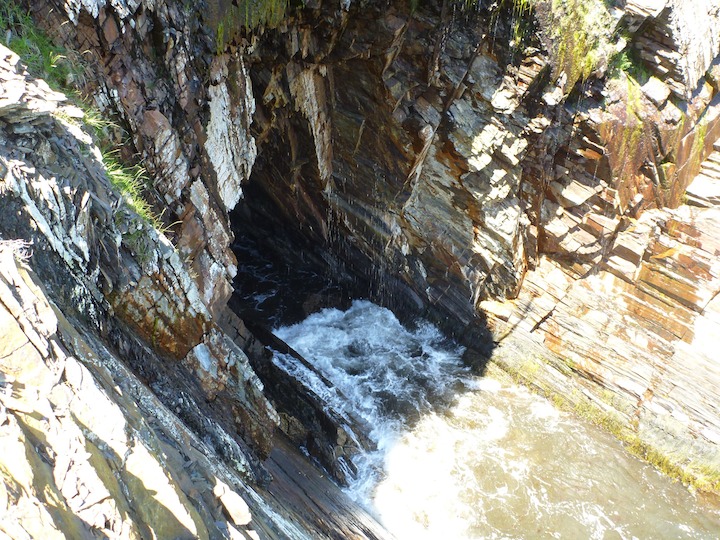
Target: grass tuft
131	181
44	60
64	71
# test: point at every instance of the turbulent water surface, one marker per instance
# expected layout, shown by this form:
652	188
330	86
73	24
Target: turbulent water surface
464	457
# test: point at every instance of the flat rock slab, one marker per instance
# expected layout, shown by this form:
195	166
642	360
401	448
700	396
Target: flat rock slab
312	497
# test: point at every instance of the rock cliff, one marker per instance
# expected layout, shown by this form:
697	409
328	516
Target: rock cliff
125	410
474	158
538	177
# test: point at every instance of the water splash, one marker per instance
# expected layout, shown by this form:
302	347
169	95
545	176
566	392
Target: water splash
466	458
386	374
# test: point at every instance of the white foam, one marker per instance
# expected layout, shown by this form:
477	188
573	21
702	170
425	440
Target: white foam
467	458
388	375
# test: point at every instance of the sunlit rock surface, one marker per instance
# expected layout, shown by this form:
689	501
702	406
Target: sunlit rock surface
461	165
125	411
77	452
638	335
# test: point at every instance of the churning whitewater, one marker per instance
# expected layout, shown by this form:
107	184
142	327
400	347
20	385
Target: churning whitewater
466	457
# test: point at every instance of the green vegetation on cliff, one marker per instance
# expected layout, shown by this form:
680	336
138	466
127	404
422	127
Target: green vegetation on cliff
582	35
241	15
64	71
578	34
44	60
132	181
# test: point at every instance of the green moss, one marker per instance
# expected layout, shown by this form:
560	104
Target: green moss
706	478
220	38
634	98
248	14
582	33
698	147
609	420
686	470
530	367
559	401
626	137
255	13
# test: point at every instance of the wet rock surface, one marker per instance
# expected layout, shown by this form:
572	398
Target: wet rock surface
459	165
126	412
89	451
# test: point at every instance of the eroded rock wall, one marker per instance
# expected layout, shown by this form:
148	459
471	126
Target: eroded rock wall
454	180
89	451
449	162
101	259
457	175
125	410
79	455
187	111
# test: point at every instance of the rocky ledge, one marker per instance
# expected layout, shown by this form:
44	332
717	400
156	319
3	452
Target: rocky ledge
633	343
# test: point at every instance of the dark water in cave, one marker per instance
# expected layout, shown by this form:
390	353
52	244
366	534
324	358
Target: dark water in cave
271	292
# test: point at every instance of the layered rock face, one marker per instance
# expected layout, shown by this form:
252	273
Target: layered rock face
89	450
464	172
637	337
508	182
125	411
187	111
516	172
444	172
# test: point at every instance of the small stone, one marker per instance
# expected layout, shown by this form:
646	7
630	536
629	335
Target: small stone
235	507
656	91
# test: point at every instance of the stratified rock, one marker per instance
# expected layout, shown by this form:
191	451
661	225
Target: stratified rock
448	165
223	368
680	39
705	188
638	336
76	458
89	451
512	172
123	406
119	264
194	136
